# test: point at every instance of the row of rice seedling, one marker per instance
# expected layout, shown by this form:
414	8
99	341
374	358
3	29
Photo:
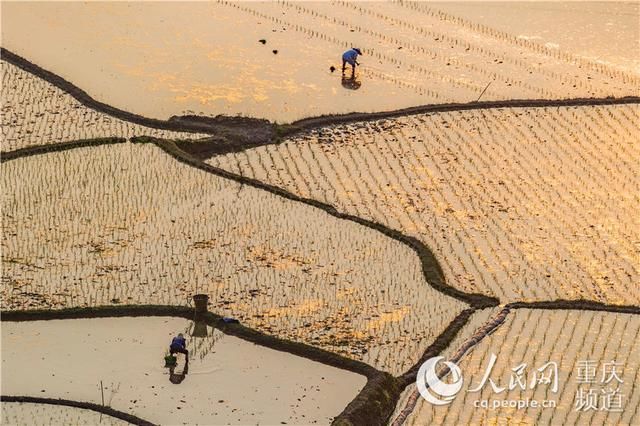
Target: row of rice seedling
421	12
399	38
597	356
34	112
235	382
515	203
436	38
334	22
381	66
440	50
128	224
28	413
475	322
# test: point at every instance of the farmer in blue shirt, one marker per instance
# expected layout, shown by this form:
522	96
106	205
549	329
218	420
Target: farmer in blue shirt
349	57
179	345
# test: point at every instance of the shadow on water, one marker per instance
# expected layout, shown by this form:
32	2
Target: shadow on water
351	82
202	339
177	378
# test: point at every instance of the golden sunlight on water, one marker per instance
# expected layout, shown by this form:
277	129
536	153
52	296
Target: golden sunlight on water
170	58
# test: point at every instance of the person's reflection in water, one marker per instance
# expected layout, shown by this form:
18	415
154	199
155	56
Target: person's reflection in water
176	379
350	82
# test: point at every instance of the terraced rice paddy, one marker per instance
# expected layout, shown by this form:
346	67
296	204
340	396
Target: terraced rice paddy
18	414
472	328
34	112
164	60
128	224
323	238
228	381
520	203
567	338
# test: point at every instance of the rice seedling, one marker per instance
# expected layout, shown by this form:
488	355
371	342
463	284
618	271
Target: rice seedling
34	112
29	413
522	204
128	224
569	339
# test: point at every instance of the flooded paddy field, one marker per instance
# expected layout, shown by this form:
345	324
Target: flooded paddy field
227	381
522	204
164	59
354	248
602	32
567	338
128	224
35	112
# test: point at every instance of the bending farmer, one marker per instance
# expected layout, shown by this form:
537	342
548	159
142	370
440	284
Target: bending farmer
349	57
179	345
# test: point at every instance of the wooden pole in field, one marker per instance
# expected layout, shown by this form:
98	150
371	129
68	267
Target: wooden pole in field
102	393
485	89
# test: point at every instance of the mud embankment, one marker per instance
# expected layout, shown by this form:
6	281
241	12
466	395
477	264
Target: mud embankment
234	134
229	134
130	418
57	147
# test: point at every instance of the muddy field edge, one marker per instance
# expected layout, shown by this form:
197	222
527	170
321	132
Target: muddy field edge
129	418
57	147
238	330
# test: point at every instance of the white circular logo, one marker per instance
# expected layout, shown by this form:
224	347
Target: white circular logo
429	383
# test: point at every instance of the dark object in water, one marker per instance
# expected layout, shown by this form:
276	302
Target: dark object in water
229	320
201	301
332	68
275	52
485	89
199	329
263	41
170	361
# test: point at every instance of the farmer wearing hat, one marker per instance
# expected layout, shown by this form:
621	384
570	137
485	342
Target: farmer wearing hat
350	57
